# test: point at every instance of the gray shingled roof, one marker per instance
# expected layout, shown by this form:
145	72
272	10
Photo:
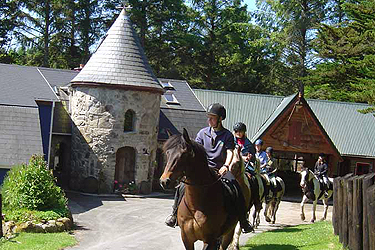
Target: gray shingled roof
58	77
22	85
20	135
175	120
119	59
189	113
184	94
351	132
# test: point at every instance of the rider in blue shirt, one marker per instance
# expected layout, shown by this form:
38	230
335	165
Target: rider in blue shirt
260	154
219	144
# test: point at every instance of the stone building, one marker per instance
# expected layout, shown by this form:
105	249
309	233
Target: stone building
115	105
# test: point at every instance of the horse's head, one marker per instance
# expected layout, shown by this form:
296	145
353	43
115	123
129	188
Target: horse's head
305	177
179	151
237	166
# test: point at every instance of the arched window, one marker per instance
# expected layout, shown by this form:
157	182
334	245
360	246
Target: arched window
129	120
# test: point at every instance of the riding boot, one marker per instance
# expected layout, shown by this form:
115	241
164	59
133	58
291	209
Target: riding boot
171	220
241	211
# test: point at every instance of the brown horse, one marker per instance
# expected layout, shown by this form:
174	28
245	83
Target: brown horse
201	214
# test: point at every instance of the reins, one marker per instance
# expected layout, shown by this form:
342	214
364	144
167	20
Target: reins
201	185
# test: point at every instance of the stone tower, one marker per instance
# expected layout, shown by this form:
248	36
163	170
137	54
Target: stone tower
115	105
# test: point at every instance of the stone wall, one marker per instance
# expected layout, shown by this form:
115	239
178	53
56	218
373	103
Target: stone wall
98	132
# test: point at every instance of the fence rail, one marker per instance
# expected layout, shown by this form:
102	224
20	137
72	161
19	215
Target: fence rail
353	216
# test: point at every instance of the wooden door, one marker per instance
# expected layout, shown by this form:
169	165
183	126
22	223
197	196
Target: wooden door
125	165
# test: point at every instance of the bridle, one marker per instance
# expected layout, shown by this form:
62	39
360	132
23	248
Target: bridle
200	185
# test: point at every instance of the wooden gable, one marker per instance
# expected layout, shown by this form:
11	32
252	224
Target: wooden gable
298	130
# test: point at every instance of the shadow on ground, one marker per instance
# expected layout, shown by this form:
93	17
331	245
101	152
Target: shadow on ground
269	247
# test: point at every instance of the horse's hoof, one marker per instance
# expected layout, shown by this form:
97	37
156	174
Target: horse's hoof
303	217
312	221
273	222
268	219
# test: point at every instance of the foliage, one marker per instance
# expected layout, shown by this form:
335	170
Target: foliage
32	187
24	215
38	241
348	54
304	237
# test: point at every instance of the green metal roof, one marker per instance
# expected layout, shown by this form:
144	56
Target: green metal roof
251	109
352	133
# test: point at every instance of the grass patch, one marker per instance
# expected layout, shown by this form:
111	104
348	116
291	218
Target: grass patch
315	236
38	241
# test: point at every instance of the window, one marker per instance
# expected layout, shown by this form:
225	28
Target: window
362	168
170	98
166	84
129	121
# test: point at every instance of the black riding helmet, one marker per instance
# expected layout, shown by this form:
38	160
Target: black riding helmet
217	109
239	127
269	150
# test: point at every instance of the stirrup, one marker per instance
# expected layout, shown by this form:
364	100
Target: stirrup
171	221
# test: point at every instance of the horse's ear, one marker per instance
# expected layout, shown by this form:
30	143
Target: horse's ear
186	136
169	133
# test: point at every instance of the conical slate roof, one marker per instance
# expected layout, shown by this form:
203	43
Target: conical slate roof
119	60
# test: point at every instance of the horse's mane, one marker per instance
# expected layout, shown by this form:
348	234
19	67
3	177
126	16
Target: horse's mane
179	141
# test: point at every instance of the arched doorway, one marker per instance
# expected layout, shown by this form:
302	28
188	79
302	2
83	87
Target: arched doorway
125	167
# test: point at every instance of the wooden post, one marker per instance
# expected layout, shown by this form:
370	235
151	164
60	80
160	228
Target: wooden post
367	182
337	205
343	237
1	216
356	241
349	228
371	216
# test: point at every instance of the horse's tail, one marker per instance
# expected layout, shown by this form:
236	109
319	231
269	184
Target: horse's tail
282	185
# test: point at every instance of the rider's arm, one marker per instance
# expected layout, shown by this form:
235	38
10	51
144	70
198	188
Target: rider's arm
228	160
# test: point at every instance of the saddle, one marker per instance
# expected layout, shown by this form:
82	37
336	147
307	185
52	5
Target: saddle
230	193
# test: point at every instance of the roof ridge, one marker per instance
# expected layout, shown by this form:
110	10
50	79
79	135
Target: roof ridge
339	102
241	93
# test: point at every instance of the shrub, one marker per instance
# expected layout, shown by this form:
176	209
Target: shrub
32	187
23	215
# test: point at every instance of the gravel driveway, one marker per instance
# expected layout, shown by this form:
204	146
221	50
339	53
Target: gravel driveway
113	222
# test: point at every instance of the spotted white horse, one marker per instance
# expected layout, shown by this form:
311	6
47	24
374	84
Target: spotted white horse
258	184
312	190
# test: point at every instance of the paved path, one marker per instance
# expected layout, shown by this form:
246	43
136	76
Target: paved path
138	223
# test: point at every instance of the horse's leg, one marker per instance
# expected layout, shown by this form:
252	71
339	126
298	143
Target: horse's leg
266	212
304	199
227	239
236	238
314	209
325	203
189	244
276	207
214	245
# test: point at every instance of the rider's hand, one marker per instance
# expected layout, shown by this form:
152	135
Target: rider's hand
223	169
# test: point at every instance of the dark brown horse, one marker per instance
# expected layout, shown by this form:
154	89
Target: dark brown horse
201	214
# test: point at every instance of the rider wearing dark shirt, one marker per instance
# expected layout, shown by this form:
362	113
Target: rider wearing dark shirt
219	144
321	171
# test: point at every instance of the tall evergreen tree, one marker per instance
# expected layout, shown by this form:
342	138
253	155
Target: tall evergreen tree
297	21
348	51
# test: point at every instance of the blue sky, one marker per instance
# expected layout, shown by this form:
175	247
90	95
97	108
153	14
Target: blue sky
250	4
